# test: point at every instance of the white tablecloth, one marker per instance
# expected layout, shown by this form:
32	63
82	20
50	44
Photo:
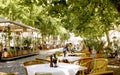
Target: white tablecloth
62	69
69	58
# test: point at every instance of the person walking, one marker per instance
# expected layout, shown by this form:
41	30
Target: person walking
65	49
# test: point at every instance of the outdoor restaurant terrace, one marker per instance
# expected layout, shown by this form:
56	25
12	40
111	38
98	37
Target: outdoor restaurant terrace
59	37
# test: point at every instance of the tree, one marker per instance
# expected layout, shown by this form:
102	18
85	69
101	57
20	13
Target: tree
87	18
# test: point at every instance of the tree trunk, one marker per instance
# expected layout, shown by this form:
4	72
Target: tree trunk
107	35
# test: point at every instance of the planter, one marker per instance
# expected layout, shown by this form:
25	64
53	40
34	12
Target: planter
19	53
25	52
99	55
6	54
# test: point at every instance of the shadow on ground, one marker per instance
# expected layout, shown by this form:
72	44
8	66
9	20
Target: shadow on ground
114	64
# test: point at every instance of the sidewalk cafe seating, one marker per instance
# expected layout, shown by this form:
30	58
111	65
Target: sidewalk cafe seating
59	53
61	69
69	59
86	62
31	62
98	67
95	65
4	73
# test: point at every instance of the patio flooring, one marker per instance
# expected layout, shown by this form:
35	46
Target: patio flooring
114	64
16	65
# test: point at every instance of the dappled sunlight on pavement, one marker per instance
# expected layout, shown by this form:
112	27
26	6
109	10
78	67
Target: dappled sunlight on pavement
114	64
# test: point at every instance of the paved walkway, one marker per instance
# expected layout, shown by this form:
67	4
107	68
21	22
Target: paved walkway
16	65
114	64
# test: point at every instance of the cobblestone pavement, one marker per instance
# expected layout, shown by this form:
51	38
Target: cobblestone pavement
16	65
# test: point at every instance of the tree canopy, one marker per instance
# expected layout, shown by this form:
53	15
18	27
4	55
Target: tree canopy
87	18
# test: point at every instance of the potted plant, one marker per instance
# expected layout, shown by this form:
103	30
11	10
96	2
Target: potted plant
107	51
12	52
90	44
26	42
95	46
98	46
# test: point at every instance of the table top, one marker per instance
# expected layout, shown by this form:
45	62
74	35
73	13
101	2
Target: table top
69	58
62	69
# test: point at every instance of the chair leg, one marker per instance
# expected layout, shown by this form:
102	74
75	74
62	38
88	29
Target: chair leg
80	72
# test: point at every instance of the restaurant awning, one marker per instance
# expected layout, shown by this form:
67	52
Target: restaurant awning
15	26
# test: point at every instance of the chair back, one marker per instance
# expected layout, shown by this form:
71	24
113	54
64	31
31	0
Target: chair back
32	62
59	53
99	65
86	62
